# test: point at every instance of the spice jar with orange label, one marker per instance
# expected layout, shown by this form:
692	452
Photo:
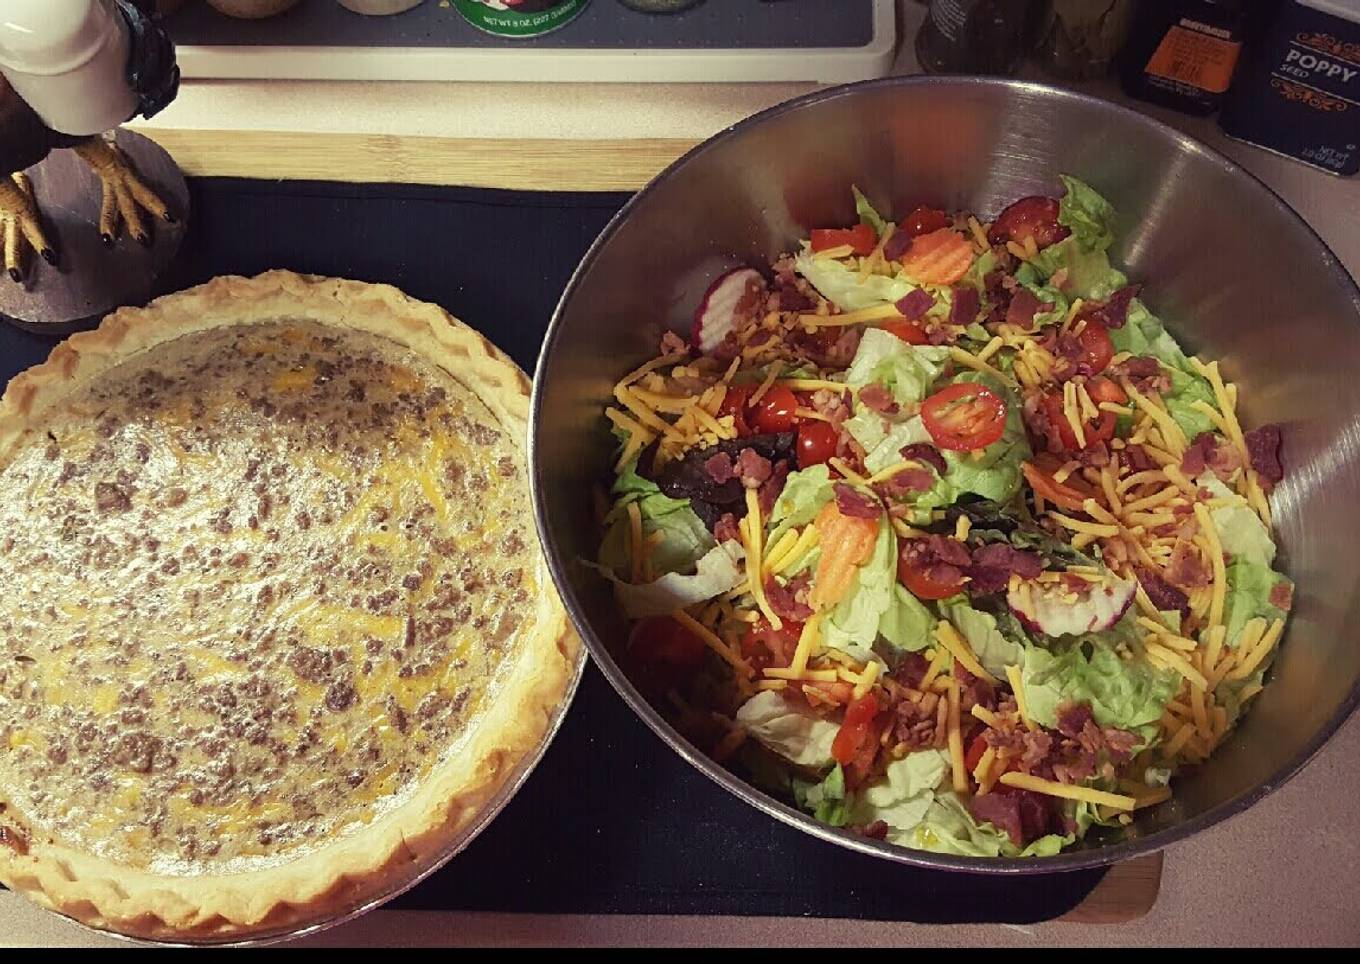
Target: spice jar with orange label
1183	53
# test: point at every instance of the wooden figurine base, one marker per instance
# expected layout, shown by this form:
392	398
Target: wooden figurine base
91	278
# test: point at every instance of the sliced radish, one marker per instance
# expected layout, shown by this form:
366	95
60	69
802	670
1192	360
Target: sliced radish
733	295
1071	606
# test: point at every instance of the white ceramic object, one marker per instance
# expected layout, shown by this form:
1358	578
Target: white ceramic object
68	60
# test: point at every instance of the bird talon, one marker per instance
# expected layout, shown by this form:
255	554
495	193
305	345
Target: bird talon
169	218
15	276
106	238
143	239
49	256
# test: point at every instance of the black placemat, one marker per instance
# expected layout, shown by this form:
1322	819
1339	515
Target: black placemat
612	821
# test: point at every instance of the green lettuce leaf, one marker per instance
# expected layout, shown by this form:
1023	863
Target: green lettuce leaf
1186	389
903	796
906	370
886	438
1144	334
826	800
1126	694
1249	585
685	538
1240	530
948	828
1087	213
847	288
805	493
867	214
1089	272
789	729
994	650
907	626
715	573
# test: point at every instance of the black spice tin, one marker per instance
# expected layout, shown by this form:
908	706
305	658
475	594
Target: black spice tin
1298	94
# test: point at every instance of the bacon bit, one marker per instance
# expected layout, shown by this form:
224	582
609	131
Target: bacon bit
1023	815
878	830
905	482
911	670
1263	446
1161	593
897	246
719	467
913	725
752	468
927	453
1206	451
941	335
725	530
914	304
1119	743
878	398
1072	718
789	602
1145	372
672	344
1113	312
1024	305
1137	458
1186	569
851	502
993	564
1282	595
772	487
964	306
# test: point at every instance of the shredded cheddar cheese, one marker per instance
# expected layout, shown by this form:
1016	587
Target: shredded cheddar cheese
1017	687
958	647
960	772
1024	781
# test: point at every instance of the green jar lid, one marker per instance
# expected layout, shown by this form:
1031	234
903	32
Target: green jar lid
519	18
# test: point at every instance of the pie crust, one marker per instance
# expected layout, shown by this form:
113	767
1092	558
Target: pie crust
274	889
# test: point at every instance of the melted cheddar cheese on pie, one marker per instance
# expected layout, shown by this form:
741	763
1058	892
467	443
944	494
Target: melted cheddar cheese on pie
268	581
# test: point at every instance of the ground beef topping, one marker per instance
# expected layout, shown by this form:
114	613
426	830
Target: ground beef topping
250	607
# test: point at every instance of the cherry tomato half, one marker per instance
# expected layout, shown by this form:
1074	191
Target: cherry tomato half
661	651
922	585
1102	389
734	404
776	410
765	646
909	331
976	749
1099	430
964	416
1096	347
923	220
1030	217
855	730
816	443
861	237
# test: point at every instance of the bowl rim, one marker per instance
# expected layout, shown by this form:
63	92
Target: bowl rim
1085	859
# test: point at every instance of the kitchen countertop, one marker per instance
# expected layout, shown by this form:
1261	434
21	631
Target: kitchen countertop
1284	872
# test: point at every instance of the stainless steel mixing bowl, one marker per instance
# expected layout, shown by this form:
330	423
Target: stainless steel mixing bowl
1231	269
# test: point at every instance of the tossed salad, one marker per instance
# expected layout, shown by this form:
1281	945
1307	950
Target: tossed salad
933	529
